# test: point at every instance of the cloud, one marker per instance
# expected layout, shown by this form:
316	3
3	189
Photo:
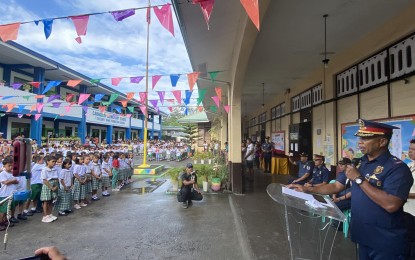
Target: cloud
110	48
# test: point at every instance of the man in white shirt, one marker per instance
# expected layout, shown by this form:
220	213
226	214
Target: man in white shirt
409	206
8	186
249	158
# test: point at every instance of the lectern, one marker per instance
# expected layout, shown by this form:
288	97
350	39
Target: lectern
311	230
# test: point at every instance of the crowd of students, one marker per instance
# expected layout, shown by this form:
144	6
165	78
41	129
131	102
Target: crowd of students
64	180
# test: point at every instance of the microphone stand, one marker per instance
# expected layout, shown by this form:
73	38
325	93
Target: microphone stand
9	201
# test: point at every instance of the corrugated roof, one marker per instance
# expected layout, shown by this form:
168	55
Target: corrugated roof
200	117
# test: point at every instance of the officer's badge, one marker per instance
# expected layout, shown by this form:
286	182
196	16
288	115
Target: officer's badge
308	167
378	170
373	176
379	183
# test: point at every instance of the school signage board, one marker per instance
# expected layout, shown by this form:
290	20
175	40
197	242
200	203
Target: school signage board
95	116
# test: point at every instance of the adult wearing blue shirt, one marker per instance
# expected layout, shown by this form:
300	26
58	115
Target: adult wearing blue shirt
320	172
381	184
305	168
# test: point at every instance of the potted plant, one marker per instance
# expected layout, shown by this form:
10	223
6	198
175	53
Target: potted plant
216	177
202	158
209	156
173	174
203	173
196	157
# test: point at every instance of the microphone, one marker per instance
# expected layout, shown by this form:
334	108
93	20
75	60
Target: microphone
355	163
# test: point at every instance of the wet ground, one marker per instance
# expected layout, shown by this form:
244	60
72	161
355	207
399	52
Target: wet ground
131	224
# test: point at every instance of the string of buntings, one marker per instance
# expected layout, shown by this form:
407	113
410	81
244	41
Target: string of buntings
163	13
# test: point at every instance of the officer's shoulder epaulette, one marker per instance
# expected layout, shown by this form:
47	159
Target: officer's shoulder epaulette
396	160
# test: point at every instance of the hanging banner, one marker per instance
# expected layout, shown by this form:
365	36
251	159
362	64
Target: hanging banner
97	117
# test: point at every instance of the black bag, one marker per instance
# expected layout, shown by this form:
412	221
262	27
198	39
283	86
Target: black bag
196	195
179	196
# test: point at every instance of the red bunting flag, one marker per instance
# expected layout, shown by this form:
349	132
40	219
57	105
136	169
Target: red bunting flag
154	80
9	32
124	103
218	91
73	82
115	81
39	96
207	7
35	84
192	78
200	108
252	9
171	109
82	98
102	108
178	95
164	15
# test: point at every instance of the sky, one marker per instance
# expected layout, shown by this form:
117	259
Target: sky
109	49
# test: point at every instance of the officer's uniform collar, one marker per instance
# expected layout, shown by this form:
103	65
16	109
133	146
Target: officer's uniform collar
381	158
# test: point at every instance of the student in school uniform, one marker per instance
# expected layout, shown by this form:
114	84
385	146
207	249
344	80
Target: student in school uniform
50	188
106	172
8	185
64	203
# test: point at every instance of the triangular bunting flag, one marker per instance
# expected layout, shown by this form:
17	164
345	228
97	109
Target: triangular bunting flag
154	80
121	15
200	108
154	102
218	91
216	99
178	95
207	7
20	108
136	79
202	93
9	32
16	85
50	85
37	116
82	98
47	27
102	108
39	96
128	115
33	107
252	9
161	96
35	84
115	81
19	115
95	81
164	15
226	108
130	95
170	108
53	97
69	97
213	108
131	109
56	104
73	82
68	108
10	107
143	97
188	94
39	107
192	78
78	39
174	78
144	110
124	103
85	108
81	24
27	97
98	97
113	97
118	109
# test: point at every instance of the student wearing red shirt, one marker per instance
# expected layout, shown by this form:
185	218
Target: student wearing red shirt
115	171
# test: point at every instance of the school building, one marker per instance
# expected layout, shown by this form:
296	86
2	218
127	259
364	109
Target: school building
311	70
60	118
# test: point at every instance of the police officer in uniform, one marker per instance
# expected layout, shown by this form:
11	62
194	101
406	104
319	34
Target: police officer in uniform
305	168
380	187
320	172
267	151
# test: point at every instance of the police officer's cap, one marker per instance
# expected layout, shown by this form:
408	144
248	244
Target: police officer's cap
303	154
267	137
189	165
344	161
370	128
318	156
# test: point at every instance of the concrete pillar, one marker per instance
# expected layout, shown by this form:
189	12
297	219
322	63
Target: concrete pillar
128	133
36	125
110	129
4	121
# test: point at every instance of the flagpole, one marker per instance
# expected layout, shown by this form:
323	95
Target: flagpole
144	164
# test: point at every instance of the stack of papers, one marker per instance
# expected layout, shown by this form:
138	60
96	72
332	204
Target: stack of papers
309	198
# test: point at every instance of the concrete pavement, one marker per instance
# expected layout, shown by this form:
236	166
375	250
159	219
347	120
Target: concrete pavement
130	225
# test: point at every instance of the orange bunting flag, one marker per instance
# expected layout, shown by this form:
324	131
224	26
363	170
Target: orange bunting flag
102	108
200	108
124	103
37	116
10	107
130	95
115	81
39	96
252	9
35	84
73	82
69	97
192	78
33	107
9	32
218	91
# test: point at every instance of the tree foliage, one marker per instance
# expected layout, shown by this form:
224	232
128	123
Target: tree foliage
191	133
